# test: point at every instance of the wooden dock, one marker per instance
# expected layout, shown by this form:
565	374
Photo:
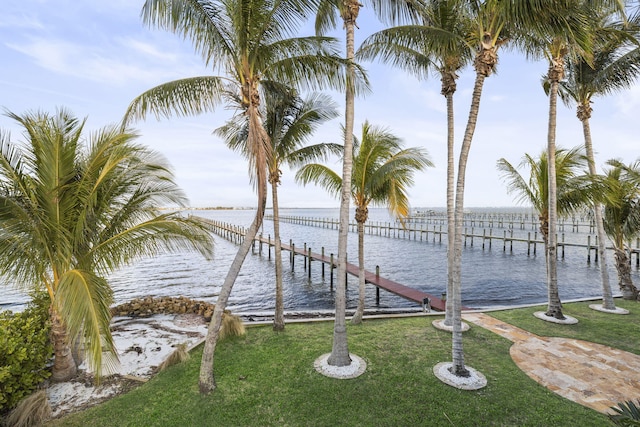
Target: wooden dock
422	233
236	234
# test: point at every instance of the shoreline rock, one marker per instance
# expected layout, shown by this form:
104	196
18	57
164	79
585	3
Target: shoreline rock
148	306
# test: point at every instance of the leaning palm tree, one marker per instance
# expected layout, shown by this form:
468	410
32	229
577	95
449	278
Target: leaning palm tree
382	173
71	213
614	66
289	122
438	46
328	14
572	191
251	41
622	218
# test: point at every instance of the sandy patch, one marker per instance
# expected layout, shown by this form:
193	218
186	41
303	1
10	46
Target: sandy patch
143	344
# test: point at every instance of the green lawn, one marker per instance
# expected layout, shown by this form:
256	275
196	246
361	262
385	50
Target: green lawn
267	379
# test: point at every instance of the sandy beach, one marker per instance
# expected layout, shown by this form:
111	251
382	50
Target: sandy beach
142	344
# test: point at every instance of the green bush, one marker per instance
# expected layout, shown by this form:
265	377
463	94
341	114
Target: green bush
25	350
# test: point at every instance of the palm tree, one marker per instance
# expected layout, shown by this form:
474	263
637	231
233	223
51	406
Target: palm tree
613	67
382	173
438	46
71	213
327	19
250	40
572	36
622	218
289	122
572	192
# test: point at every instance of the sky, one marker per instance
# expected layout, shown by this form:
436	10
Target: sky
94	57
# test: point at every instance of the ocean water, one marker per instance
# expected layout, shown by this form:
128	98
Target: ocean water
490	277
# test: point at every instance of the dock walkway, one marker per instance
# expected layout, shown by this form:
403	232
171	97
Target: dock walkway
427	301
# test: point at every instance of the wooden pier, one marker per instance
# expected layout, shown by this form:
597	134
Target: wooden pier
471	235
236	234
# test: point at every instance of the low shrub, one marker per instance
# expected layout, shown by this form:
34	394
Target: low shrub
25	350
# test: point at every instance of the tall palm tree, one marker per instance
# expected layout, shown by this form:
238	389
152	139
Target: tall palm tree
326	19
251	41
289	121
571	36
493	24
534	190
71	213
622	218
436	46
382	173
614	65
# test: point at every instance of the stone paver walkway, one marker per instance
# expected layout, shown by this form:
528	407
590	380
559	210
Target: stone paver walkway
591	374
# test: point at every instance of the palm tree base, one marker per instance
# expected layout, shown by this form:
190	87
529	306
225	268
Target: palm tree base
439	324
353	370
474	381
600	307
568	320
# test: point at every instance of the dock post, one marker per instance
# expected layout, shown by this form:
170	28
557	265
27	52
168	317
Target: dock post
484	236
269	245
260	245
377	288
304	256
588	249
595	251
511	242
528	243
323	262
563	245
309	261
331	272
293	255
504	240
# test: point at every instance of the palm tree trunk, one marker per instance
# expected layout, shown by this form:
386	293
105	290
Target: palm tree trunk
357	317
458	367
64	366
207	381
607	296
278	319
340	351
554	307
623	266
450	211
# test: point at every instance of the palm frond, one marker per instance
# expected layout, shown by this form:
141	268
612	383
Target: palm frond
83	300
185	97
320	175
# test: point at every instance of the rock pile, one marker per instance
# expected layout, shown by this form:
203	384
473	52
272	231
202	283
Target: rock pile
148	306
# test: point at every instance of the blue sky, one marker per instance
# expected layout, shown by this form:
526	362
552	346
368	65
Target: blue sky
93	57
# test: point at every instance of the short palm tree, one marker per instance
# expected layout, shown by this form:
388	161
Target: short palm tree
613	66
571	188
382	173
289	122
71	213
622	218
438	46
253	42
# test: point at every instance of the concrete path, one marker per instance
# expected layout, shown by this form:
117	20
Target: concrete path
590	374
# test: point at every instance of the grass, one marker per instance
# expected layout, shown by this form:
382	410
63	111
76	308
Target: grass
267	379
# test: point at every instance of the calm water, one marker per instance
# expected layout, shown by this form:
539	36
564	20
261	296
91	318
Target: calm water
490	277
